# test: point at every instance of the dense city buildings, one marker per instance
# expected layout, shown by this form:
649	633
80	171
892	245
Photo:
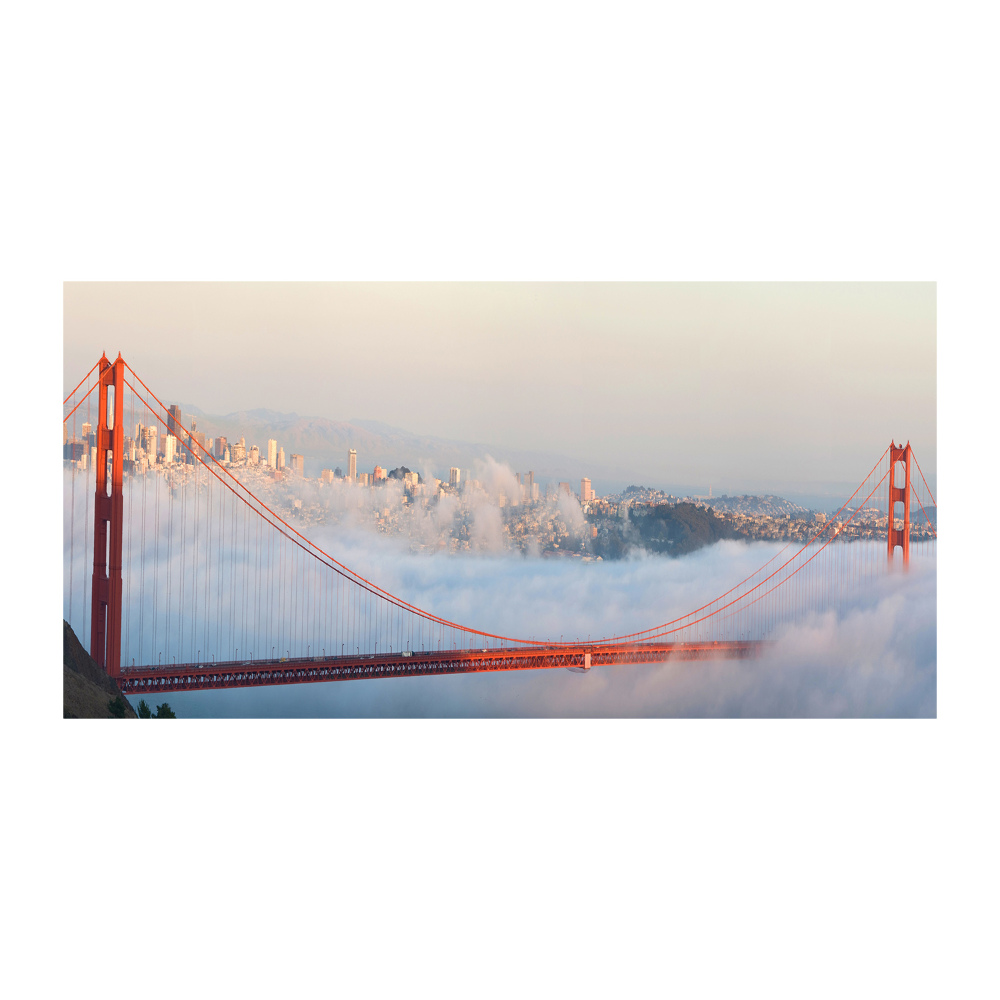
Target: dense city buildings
461	514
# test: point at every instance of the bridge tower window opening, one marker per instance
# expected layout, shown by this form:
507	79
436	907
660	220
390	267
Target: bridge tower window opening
898	514
899	475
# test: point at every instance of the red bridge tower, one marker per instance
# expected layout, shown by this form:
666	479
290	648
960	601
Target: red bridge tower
899	494
106	589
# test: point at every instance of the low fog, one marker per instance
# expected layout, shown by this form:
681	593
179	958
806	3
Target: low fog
875	657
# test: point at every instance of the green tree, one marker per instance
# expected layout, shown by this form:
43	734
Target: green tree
142	710
164	711
116	707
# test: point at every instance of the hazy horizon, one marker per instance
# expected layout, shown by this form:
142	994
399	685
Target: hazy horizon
742	386
262	423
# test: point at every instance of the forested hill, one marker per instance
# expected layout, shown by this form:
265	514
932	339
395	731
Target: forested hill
676	529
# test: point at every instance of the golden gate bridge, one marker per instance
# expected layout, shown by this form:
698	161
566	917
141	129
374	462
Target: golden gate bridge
208	569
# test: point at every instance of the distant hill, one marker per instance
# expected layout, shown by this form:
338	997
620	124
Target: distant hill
87	689
677	529
324	444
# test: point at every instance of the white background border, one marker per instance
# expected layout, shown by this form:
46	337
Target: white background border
513	858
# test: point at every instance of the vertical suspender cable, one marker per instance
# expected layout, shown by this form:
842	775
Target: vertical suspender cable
128	559
208	561
154	657
86	603
220	571
182	582
72	516
256	589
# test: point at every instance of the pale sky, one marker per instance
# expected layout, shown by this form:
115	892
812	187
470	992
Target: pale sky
748	385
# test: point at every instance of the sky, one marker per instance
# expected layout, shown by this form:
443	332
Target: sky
794	386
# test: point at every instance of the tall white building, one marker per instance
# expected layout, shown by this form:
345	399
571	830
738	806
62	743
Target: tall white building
352	465
455	477
272	453
586	493
150	443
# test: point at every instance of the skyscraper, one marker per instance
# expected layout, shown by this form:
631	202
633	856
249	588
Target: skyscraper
174	420
586	493
299	465
455	476
272	453
352	465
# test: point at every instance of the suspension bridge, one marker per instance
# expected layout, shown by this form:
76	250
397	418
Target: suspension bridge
176	566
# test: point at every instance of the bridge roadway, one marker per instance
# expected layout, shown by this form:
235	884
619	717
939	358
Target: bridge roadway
315	669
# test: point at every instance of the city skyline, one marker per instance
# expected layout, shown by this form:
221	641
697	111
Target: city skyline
537	517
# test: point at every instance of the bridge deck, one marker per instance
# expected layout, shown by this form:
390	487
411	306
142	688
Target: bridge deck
315	669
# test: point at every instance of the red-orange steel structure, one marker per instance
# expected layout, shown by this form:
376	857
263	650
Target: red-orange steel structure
899	494
316	669
345	603
106	589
